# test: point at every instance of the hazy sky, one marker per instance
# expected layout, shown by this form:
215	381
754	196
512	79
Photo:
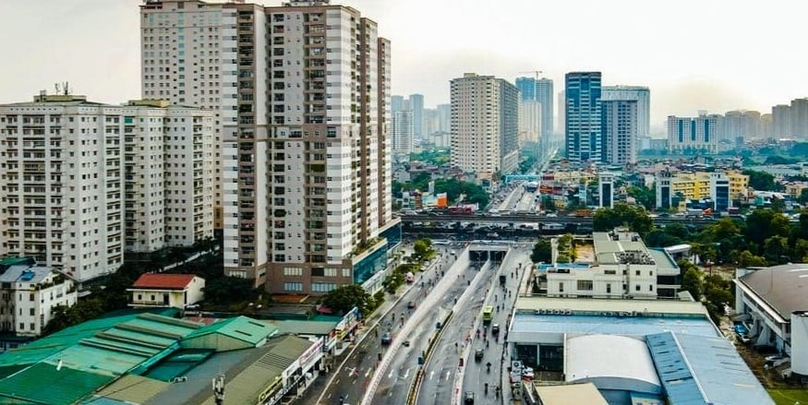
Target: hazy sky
716	55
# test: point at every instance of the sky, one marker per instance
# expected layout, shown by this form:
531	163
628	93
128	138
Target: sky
715	55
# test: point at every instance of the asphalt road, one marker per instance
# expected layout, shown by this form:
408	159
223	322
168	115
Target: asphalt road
439	375
476	375
352	380
395	387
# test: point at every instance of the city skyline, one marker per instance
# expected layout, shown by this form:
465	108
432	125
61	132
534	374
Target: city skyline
100	41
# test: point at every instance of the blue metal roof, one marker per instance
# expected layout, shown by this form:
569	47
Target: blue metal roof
525	326
698	370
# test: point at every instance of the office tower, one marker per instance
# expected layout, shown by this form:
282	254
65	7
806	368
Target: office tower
484	125
417	107
530	120
188	57
781	121
692	135
444	115
619	132
63	193
583	116
562	113
527	88
402	134
643	97
305	153
169	175
719	192
664	191
606	190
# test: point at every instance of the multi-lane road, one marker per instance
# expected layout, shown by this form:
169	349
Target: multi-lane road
460	341
352	379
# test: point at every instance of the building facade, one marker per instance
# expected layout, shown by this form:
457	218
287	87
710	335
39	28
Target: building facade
166	290
29	295
722	188
169	175
529	122
62	182
693	134
484	125
403	140
642	95
417	107
302	91
540	90
619	142
583	132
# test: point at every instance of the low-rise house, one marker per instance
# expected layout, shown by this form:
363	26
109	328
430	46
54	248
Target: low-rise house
29	295
166	290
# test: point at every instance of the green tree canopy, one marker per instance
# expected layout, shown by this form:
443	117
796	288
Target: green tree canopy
343	299
542	251
645	196
423	249
636	218
762	181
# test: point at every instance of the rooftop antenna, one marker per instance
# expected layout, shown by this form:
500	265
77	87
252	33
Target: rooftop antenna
62	88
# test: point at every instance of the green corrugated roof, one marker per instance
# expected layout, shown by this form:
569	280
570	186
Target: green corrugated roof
133	389
41	383
240	328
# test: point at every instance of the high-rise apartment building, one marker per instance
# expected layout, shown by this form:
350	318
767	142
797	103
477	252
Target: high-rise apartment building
694	134
417	107
740	124
403	140
530	120
169	175
63	195
398	103
97	180
484	125
583	135
619	132
799	118
781	121
303	95
642	95
540	90
189	57
444	116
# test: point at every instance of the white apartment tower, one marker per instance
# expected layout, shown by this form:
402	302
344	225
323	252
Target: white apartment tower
619	131
484	125
169	175
61	179
403	139
302	92
188	57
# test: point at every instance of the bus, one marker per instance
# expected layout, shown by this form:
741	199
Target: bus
488	314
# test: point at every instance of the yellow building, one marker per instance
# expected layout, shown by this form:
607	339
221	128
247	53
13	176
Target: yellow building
794	189
697	186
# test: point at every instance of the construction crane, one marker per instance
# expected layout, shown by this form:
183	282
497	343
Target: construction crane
537	73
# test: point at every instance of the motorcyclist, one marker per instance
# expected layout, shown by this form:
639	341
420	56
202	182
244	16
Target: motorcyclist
486	388
488	367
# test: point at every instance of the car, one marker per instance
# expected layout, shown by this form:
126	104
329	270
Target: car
478	354
406	343
468	397
495	329
741	329
387	338
411	305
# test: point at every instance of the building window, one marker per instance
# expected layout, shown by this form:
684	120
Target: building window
330	272
637	273
637	287
584	285
32	312
293	287
651	287
140	297
608	288
560	287
293	271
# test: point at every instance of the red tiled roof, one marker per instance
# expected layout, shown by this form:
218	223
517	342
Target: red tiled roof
168	281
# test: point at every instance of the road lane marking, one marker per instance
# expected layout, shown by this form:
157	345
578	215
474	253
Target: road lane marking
431	373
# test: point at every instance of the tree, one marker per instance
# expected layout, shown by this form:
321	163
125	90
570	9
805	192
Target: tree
691	279
645	196
747	259
542	251
343	299
762	181
763	224
228	291
776	249
423	249
636	218
778	205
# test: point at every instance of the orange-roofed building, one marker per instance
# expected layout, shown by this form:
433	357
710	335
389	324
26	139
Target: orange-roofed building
166	290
